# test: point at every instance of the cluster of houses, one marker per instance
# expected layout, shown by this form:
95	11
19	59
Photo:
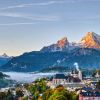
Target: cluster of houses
89	93
74	77
71	78
74	80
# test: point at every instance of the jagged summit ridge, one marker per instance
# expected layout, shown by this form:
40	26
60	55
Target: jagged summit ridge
63	42
5	55
91	40
61	45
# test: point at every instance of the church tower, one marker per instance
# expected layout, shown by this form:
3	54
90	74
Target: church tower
80	75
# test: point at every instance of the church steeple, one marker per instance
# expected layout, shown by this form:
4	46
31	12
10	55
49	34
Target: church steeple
97	74
80	75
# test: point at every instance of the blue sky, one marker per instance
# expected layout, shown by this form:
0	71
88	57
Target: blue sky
28	25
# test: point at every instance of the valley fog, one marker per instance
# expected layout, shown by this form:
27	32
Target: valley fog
26	77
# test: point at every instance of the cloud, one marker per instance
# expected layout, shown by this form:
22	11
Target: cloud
90	17
32	4
30	17
85	0
45	3
14	24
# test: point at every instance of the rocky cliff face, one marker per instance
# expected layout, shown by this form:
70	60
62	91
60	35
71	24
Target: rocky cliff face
91	40
63	42
61	45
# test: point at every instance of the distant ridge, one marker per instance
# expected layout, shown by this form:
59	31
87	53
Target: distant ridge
4	59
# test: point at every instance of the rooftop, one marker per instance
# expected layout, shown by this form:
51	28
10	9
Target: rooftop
60	76
89	94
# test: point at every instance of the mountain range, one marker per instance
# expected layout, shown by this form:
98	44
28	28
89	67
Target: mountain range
63	53
91	40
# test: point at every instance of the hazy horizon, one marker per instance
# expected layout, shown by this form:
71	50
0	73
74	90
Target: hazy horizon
28	25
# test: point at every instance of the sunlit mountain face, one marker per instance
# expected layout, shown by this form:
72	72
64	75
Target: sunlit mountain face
91	40
61	43
63	53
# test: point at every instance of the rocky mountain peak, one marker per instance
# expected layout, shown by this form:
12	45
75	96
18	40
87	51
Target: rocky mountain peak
91	40
63	42
5	55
